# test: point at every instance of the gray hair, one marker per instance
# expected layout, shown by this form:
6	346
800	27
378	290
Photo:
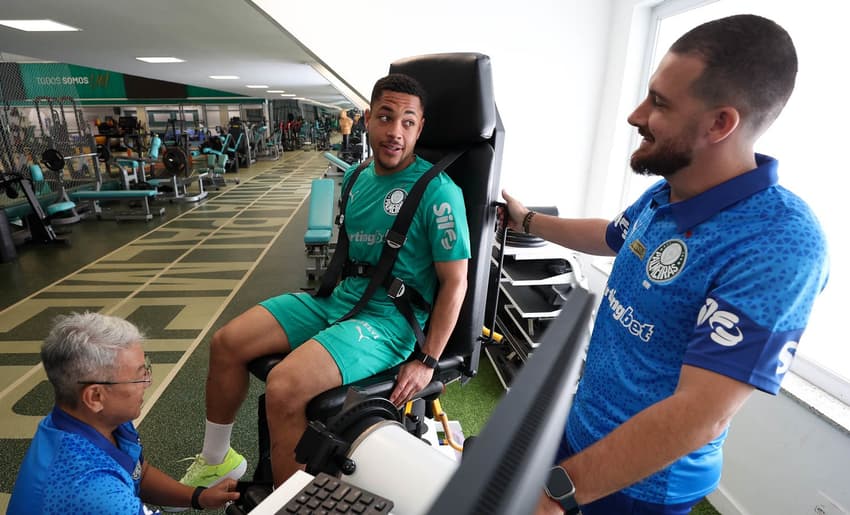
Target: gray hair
84	347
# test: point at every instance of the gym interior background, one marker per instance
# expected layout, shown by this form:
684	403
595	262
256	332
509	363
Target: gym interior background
566	75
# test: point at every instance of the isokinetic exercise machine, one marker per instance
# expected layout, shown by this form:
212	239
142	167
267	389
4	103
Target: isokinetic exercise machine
462	122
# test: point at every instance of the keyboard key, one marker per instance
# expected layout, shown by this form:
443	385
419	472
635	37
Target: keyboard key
341	492
352	496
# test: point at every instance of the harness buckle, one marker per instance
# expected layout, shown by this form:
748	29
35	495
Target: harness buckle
395	240
396	288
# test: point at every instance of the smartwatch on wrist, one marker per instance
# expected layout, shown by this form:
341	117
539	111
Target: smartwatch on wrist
559	487
428	361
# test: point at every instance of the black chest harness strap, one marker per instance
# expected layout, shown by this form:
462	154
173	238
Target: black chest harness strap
404	297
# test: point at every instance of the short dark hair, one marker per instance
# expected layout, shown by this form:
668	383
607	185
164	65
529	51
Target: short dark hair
750	64
400	83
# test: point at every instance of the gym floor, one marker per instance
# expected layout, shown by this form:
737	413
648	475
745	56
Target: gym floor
179	278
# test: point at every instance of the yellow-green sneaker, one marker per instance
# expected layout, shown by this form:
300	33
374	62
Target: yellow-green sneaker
200	473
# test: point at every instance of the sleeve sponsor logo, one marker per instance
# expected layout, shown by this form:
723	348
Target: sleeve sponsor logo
622	223
723	324
445	224
786	357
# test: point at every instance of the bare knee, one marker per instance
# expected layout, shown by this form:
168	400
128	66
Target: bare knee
225	344
286	394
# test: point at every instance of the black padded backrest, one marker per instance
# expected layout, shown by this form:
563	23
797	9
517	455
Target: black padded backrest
461	113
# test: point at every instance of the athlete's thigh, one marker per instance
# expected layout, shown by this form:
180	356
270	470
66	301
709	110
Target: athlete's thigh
254	333
363	347
299	315
306	372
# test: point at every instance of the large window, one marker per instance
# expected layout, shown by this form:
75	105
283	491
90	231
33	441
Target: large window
808	140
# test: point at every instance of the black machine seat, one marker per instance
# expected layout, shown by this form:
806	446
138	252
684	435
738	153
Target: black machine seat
460	114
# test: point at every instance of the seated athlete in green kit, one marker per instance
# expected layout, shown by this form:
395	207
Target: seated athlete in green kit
324	353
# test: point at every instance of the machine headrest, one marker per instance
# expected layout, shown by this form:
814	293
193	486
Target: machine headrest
455	83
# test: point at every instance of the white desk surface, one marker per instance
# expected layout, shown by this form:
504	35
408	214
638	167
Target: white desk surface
282	494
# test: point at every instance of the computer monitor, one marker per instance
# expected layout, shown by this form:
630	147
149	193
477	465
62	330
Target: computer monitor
504	469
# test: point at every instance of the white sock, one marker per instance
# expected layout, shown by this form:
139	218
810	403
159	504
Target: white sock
216	442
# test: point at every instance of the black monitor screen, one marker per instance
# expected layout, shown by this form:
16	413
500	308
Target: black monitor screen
504	469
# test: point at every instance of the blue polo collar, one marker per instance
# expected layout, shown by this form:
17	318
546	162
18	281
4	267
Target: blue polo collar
66	422
695	210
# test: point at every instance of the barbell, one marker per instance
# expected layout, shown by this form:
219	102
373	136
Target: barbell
55	161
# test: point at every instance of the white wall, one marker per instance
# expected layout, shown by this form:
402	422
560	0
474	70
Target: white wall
780	457
548	61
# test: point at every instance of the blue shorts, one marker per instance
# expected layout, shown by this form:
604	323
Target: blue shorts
376	339
620	503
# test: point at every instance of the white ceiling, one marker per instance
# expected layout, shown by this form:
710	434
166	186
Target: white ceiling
216	37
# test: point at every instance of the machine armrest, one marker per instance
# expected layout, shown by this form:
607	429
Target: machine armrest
330	402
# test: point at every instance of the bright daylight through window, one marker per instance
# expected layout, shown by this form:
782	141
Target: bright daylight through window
808	140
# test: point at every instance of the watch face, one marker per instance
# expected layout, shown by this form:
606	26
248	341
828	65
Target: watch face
558	484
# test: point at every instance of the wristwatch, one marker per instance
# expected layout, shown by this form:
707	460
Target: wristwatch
559	487
428	361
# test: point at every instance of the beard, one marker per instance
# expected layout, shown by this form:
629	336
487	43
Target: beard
668	158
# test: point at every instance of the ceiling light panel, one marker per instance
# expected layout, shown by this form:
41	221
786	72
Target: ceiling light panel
39	26
160	60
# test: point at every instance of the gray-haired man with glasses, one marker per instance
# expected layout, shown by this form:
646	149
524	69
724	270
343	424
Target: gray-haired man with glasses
86	456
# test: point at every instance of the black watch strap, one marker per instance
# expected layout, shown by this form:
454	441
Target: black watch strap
569	505
425	359
196	498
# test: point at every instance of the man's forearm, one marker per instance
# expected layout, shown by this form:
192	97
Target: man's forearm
659	435
583	235
159	488
444	317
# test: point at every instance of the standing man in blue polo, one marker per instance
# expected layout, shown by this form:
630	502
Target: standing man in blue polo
716	270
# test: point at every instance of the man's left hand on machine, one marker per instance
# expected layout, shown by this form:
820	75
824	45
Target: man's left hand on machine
413	376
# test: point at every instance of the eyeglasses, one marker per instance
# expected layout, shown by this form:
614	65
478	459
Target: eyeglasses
146	379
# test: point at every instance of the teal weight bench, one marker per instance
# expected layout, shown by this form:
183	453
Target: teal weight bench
95	196
317	238
336	167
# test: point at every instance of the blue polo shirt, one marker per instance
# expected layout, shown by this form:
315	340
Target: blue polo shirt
723	281
71	468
